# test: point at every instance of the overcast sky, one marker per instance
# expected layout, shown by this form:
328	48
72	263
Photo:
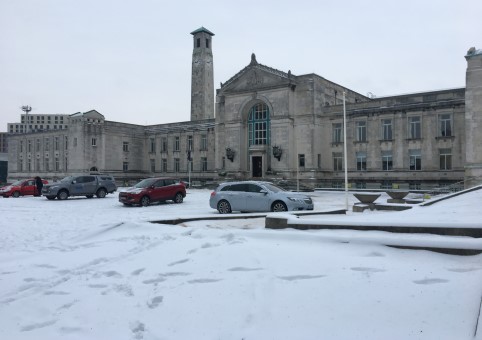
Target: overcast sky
131	60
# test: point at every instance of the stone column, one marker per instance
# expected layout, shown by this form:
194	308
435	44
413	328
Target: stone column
473	118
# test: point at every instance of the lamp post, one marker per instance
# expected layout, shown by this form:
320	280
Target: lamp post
344	152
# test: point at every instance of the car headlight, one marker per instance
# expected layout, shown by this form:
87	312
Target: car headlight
296	199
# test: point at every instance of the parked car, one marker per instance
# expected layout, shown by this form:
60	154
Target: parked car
253	196
150	190
20	188
82	185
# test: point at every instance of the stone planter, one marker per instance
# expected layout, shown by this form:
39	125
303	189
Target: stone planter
366	198
397	196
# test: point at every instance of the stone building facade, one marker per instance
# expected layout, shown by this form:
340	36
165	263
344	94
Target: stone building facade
274	125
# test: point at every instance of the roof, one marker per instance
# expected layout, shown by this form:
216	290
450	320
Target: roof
202	29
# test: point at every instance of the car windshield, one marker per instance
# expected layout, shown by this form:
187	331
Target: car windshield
145	183
273	188
17	183
67	179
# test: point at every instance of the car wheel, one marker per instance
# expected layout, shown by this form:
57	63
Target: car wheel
63	195
145	201
278	206
178	198
50	197
224	207
101	193
89	196
16	194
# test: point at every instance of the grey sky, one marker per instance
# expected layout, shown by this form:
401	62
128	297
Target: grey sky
131	60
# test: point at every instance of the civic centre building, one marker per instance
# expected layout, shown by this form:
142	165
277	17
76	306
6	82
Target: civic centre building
264	123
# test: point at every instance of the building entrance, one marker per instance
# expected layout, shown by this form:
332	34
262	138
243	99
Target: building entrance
257	163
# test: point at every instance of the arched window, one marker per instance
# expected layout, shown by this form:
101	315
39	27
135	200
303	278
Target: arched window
258	125
94	169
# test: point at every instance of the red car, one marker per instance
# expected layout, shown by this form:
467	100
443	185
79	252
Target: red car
154	190
21	188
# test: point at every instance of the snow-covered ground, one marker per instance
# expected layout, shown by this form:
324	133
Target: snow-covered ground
94	269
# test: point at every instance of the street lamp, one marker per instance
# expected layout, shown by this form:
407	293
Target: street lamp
26	109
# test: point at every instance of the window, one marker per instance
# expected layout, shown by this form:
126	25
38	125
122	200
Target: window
21	146
223	166
176	143
258	125
445	159
125	146
176	165
47	144
29	146
66	160
204	142
29	164
414	186
37	145
414	127
301	160
56	143
361	185
198	42
361	131
387	163
94	142
57	164
204	164
337	133
153	165
66	142
445	124
189	143
75	141
319	161
386	185
152	148
164	165
20	165
47	164
164	144
386	129
337	161
361	161
125	166
415	160
207	43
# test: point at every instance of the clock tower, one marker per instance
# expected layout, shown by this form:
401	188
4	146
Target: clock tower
202	78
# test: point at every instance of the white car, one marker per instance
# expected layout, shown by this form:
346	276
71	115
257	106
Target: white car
254	196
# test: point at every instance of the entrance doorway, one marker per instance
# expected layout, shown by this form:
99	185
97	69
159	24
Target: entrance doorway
257	162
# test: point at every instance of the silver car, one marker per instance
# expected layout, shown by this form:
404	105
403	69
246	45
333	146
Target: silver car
252	196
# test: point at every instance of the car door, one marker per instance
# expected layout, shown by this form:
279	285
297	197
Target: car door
77	186
237	197
28	187
170	188
89	185
158	191
255	199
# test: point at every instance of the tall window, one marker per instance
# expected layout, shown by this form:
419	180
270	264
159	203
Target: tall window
47	144
125	146
414	127
337	133
66	160
386	129
445	124
204	142
176	143
47	164
29	146
57	164
66	142
415	159
152	148
258	125
337	161
445	159
204	164
361	161
301	160
29	164
176	165
37	164
37	145
361	131
153	165
21	146
164	165
94	142
125	166
164	144
189	143
387	163
56	143
319	161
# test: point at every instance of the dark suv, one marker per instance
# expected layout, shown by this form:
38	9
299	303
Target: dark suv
149	190
81	185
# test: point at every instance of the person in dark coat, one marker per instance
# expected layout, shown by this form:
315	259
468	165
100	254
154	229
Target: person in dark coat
39	184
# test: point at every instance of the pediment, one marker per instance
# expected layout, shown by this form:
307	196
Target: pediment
257	77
